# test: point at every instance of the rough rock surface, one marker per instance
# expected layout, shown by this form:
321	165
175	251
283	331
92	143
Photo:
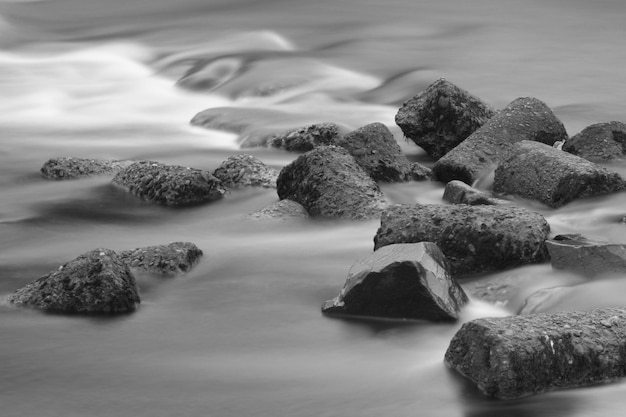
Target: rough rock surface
404	281
328	182
281	210
513	357
483	150
420	172
169	259
473	238
65	168
599	142
553	177
245	170
170	185
441	117
457	192
95	282
585	256
306	138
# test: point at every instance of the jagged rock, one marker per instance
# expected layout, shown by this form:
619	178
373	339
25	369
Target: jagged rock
473	238
457	192
328	182
169	185
441	117
483	150
172	258
306	138
405	281
65	168
96	282
245	170
553	177
585	256
281	210
513	357
599	142
420	173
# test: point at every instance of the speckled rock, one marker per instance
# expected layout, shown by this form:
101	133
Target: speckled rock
441	117
474	239
599	142
95	282
585	256
513	357
245	171
329	183
65	168
553	177
483	150
405	281
169	259
169	185
457	192
281	210
306	138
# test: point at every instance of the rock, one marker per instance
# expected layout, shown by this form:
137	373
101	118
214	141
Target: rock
281	210
405	281
553	177
328	182
599	142
474	239
235	119
585	256
441	117
96	282
420	173
483	150
513	357
169	185
245	170
306	138
65	168
457	192
168	259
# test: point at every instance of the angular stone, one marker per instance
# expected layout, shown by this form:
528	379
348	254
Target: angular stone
599	142
474	239
441	117
513	357
457	192
553	177
420	172
328	182
245	170
483	150
585	256
405	281
281	210
96	282
65	168
169	259
306	138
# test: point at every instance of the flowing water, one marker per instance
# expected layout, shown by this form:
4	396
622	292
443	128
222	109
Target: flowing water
242	334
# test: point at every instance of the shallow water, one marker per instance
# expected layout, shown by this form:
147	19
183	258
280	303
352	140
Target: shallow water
242	333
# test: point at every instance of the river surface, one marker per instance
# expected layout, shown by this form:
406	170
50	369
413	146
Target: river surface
241	334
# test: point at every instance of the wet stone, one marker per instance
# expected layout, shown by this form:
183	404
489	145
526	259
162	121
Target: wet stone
65	168
245	171
170	259
599	142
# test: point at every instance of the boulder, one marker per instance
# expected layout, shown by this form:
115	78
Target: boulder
404	281
513	357
245	170
441	117
65	168
599	142
281	210
306	138
169	185
420	172
328	182
474	239
457	192
169	259
553	177
98	281
585	256
483	150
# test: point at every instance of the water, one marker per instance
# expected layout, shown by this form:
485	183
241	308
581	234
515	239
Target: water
242	334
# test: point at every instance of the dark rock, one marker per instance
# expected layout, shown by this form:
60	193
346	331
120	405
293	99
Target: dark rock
441	117
95	282
585	256
65	168
513	357
483	150
245	170
473	238
420	173
281	210
170	185
553	177
457	192
407	281
168	259
599	142
328	182
306	138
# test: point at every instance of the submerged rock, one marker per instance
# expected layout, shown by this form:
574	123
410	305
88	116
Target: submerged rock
306	138
585	256
172	258
281	210
457	192
599	142
245	170
65	168
406	281
98	281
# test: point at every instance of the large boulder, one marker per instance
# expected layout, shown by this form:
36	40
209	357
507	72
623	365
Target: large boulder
585	256
328	182
483	150
457	192
474	238
405	281
441	117
98	281
553	177
599	142
65	168
245	171
169	259
281	210
306	138
513	357
169	185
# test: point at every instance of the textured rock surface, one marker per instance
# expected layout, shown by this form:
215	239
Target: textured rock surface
457	192
306	138
170	185
328	182
513	357
553	177
587	257
420	172
483	150
168	259
95	282
599	142
245	170
473	238
441	117
65	168
405	281
281	210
